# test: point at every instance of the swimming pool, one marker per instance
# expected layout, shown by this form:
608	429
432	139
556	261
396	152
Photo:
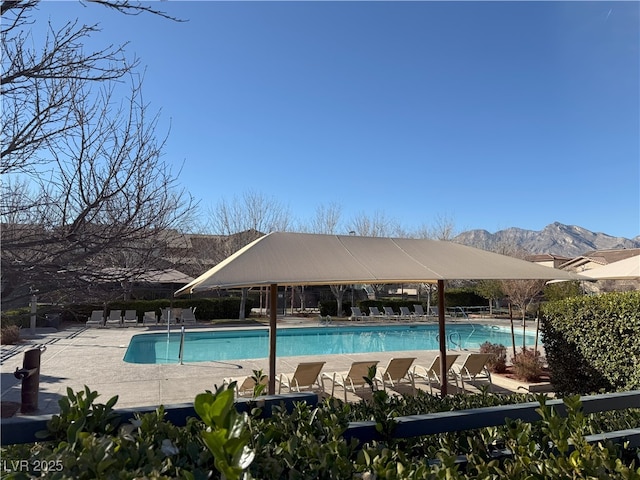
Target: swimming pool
245	344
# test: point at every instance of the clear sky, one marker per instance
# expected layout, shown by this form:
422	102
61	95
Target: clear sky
494	115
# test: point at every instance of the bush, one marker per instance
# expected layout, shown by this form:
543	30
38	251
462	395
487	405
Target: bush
498	363
308	442
592	342
528	365
9	334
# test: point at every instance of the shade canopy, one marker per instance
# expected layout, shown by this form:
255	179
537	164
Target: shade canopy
627	269
314	259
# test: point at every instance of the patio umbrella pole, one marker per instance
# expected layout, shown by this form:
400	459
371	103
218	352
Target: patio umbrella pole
273	315
443	340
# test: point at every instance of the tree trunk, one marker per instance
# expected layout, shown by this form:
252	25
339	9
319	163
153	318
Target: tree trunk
243	303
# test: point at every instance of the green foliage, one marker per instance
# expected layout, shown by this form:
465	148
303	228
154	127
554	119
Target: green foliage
309	443
259	378
592	343
498	362
568	455
463	297
79	413
330	307
489	289
561	290
226	434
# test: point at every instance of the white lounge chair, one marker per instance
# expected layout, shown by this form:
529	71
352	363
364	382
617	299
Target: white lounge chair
246	387
306	377
473	368
431	373
149	318
167	314
130	318
396	372
115	318
188	316
96	319
351	380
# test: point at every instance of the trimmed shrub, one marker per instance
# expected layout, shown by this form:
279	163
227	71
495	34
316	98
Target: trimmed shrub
330	307
498	363
592	343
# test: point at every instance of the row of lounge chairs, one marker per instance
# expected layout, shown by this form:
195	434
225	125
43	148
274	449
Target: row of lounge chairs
389	314
175	316
399	372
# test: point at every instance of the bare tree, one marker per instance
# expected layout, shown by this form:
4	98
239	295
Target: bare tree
243	220
522	293
327	219
85	193
376	225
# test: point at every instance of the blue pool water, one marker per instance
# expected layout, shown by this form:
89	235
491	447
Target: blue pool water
245	344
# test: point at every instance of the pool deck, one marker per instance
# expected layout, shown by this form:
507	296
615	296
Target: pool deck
77	356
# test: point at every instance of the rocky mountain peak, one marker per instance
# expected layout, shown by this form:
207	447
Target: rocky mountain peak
555	239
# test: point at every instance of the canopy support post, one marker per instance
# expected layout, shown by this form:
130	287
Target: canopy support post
443	340
273	315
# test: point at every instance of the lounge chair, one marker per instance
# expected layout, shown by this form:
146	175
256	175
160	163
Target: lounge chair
356	314
396	372
115	318
247	386
96	319
167	314
149	318
406	313
351	380
188	316
130	318
418	311
306	377
389	313
375	313
473	368
431	373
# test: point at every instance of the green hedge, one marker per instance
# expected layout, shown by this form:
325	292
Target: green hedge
330	307
463	297
592	343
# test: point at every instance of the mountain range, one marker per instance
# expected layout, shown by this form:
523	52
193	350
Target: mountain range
554	239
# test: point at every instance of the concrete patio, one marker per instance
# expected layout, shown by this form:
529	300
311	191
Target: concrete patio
78	356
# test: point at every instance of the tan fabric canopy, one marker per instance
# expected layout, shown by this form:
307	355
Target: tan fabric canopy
313	259
626	269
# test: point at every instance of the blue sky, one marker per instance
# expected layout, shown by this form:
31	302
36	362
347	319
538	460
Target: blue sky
493	115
